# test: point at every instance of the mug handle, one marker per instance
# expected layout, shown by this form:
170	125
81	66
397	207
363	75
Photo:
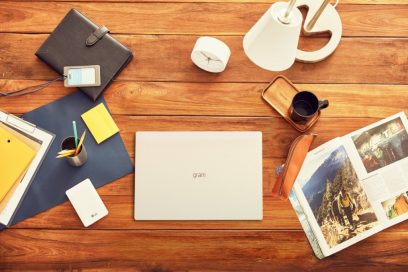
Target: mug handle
323	104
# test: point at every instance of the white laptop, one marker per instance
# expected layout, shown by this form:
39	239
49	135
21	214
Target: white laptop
198	176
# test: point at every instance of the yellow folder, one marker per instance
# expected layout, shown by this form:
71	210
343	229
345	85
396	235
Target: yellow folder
15	157
31	143
10	193
100	123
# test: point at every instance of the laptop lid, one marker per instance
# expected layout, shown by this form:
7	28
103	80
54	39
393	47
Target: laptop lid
198	176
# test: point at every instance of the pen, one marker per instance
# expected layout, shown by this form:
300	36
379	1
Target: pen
75	133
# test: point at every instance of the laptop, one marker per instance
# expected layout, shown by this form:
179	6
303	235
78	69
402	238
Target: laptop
198	176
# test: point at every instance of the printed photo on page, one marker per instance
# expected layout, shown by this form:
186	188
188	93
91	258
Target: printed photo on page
337	199
380	155
396	206
382	145
333	198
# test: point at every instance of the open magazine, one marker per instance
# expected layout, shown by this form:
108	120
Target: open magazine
354	186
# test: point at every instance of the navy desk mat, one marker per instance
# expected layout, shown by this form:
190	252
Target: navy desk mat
107	161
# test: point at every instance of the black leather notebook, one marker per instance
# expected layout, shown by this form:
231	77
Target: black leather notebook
78	41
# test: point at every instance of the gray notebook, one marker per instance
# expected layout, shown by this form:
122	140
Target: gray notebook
78	41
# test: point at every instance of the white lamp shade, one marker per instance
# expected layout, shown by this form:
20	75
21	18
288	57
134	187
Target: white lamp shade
272	44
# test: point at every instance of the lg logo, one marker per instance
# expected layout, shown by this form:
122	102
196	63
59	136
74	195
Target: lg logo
199	175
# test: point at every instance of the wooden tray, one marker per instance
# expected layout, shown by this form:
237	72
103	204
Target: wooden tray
279	94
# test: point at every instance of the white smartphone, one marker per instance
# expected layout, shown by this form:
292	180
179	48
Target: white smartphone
82	76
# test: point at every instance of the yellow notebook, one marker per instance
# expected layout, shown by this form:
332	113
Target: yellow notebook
100	123
15	157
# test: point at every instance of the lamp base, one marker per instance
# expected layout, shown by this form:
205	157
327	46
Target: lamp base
329	21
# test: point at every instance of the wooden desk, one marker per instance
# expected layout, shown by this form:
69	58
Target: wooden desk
365	80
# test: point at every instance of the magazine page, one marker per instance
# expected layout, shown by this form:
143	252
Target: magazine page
306	225
333	198
303	220
380	153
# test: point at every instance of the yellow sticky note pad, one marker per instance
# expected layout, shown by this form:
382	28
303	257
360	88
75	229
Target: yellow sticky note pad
100	123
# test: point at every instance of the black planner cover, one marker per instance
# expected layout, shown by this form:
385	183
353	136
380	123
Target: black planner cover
68	45
107	161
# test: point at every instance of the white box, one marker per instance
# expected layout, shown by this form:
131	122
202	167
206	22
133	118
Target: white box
87	202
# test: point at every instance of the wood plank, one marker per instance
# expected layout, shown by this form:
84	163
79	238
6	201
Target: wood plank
277	215
237	99
203	18
357	2
277	133
152	61
192	250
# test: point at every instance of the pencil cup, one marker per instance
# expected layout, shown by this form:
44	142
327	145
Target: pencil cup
78	160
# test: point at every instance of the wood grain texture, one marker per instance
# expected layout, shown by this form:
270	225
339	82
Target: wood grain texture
203	18
277	133
365	80
363	60
217	250
237	99
360	2
278	215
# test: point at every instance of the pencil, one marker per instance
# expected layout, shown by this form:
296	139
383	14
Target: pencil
64	155
80	143
70	151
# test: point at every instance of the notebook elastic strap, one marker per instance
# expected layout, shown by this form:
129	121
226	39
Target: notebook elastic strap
30	89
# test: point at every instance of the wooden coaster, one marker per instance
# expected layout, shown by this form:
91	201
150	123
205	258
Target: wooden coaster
279	94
